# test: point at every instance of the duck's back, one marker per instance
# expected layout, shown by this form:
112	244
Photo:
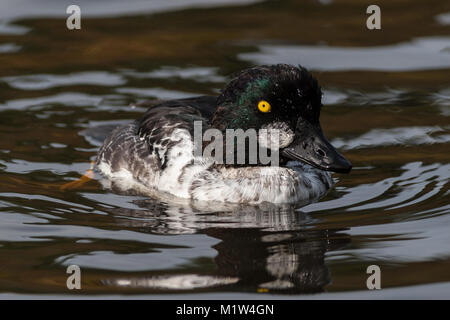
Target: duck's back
140	151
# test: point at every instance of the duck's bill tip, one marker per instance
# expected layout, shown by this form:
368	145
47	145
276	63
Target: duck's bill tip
341	166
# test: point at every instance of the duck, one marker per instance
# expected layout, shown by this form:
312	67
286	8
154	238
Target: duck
155	154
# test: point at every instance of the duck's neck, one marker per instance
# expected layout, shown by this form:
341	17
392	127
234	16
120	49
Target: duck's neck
221	118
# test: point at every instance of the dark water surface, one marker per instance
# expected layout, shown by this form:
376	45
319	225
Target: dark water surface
387	108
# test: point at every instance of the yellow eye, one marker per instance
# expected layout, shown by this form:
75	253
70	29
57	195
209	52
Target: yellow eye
264	106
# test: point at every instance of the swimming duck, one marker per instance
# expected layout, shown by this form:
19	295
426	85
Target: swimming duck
154	155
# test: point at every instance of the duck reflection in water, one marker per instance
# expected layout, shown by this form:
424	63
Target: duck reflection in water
265	248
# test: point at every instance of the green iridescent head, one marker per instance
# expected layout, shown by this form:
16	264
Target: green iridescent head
288	92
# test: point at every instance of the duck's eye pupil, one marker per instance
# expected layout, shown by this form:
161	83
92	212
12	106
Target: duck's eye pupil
264	106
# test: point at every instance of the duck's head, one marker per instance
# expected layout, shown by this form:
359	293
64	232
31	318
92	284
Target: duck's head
286	98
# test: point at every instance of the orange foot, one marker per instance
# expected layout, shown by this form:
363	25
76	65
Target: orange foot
85	178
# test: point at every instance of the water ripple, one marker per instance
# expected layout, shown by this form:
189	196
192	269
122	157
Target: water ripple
402	190
46	81
404	136
418	54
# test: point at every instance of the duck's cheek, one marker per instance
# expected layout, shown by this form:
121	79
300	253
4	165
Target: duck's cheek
275	136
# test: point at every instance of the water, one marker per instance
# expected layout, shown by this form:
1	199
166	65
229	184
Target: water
387	96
